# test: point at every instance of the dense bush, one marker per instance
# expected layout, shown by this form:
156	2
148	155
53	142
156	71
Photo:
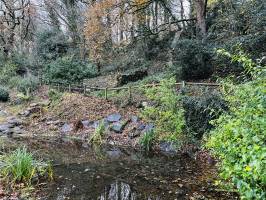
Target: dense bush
239	135
200	110
231	18
4	95
51	44
68	70
23	62
7	70
254	46
27	84
191	60
166	112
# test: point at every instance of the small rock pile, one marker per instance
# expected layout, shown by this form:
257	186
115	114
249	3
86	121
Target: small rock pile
10	126
34	108
115	124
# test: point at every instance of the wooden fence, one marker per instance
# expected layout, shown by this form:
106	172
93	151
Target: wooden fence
85	89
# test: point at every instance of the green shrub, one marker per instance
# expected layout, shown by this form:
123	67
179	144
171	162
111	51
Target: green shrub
167	113
54	95
239	135
68	70
24	97
200	110
192	60
4	95
23	62
20	166
14	81
7	71
27	84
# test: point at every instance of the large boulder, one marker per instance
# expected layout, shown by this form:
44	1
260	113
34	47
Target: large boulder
123	79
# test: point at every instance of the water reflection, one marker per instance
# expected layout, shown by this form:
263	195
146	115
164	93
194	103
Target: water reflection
122	191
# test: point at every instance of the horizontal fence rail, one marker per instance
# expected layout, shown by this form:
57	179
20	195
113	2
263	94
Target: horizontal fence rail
83	88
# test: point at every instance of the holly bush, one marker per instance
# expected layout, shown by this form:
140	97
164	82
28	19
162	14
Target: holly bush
240	134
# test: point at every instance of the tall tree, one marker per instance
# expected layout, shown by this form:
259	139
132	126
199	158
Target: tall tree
201	8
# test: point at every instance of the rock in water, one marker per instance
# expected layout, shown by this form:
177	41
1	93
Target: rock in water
114	153
114	118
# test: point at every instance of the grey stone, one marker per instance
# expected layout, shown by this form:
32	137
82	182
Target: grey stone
149	127
56	122
97	123
86	123
168	148
5	127
134	119
26	113
14	121
141	127
66	128
117	127
114	118
3	113
17	130
17	101
134	133
114	153
34	104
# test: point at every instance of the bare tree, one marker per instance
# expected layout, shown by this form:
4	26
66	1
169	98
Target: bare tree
14	15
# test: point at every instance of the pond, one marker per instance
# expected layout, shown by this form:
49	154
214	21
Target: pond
112	173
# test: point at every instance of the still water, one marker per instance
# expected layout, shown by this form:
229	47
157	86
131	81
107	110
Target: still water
115	174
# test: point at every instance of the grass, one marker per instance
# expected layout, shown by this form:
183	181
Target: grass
20	166
146	140
98	134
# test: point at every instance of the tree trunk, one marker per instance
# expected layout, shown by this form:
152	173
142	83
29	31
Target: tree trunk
200	6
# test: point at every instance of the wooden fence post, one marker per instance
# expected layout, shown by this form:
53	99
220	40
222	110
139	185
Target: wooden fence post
130	94
105	93
183	88
84	91
40	79
69	88
183	84
58	87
